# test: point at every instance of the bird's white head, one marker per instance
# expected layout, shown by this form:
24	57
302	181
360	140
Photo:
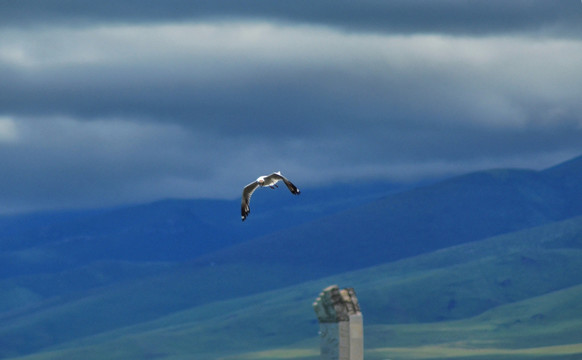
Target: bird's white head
261	180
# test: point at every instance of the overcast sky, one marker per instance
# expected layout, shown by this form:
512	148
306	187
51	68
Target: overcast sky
115	102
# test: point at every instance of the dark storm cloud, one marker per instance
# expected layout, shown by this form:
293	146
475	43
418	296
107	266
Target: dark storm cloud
245	78
114	102
402	16
232	107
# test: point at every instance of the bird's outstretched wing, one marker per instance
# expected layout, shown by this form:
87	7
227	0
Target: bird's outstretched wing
246	199
277	175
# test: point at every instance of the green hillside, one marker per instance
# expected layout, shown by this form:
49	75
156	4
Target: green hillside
543	327
513	296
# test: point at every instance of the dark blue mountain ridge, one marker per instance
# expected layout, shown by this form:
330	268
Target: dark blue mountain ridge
454	211
165	230
569	175
321	222
26	229
283	228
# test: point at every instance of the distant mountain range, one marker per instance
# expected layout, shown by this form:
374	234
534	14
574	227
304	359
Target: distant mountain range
449	250
451	212
167	230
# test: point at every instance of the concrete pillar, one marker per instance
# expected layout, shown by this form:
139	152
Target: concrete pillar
341	325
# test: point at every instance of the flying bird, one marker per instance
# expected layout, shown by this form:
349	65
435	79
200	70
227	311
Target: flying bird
265	180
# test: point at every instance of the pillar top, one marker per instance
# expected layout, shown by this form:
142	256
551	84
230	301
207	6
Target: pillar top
335	305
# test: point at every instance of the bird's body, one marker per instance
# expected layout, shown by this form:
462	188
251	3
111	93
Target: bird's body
262	181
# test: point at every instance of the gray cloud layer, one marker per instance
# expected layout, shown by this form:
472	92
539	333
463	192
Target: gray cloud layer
132	105
396	16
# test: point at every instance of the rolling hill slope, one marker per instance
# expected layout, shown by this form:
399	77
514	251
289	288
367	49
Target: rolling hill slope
508	295
92	273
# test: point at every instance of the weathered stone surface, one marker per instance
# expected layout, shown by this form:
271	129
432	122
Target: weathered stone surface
340	323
